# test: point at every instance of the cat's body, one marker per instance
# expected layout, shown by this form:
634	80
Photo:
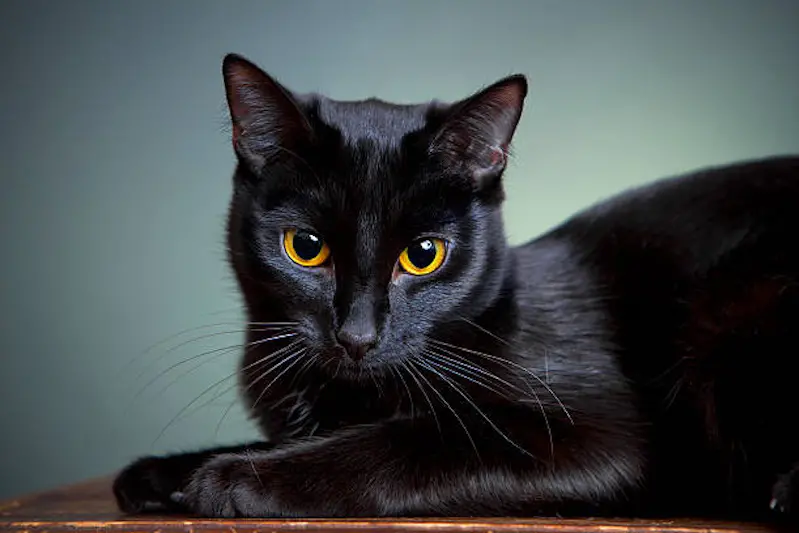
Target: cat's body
636	360
697	282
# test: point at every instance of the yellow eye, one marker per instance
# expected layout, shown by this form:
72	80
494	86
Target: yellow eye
423	257
304	248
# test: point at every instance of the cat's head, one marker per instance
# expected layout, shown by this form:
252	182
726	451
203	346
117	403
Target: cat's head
361	230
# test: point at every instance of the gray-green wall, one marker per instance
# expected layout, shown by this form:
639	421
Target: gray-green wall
115	167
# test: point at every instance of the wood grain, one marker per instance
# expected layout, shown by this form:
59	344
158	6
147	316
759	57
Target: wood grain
89	506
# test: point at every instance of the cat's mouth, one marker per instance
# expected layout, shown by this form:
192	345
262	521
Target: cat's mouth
339	365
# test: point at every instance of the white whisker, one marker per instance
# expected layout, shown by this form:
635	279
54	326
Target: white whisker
398	372
295	357
218	351
481	328
259	362
409	369
447	404
466	397
510	364
210	388
532	390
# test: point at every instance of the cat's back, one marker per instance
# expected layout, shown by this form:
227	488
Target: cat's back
737	220
688	263
692	212
696	281
717	225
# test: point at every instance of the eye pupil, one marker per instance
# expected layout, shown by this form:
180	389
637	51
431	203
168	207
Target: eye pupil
307	245
423	256
422	253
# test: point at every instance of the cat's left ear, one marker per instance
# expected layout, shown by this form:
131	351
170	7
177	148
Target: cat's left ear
475	137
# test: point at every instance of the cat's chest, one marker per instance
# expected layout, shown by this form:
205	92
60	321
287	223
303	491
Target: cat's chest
337	405
330	406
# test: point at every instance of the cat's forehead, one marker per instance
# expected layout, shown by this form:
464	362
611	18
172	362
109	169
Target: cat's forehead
366	170
376	121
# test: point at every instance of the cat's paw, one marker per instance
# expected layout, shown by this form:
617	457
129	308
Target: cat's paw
785	494
147	485
228	486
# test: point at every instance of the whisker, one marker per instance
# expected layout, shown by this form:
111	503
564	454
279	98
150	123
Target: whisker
398	372
254	470
229	408
207	390
261	361
409	369
275	324
375	381
674	392
536	398
481	328
510	364
447	404
192	340
308	364
237	309
173	336
218	351
214	355
216	397
295	358
473	370
476	408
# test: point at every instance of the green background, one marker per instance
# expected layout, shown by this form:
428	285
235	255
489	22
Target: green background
115	167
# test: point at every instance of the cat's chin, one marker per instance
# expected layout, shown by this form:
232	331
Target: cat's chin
355	372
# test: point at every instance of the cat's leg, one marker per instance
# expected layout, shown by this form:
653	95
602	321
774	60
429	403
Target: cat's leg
785	494
403	468
148	484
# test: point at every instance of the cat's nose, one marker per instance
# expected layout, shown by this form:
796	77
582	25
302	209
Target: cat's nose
357	333
357	343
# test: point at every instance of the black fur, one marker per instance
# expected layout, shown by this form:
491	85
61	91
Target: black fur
639	359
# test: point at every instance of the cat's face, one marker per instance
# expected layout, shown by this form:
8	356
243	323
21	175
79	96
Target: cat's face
365	227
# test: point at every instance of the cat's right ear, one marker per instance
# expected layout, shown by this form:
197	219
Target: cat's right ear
267	123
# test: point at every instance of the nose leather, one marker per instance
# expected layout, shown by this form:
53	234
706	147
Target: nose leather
358	332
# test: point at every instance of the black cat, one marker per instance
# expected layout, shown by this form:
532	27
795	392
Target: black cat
640	359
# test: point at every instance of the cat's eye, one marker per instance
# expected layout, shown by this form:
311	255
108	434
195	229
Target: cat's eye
423	256
305	248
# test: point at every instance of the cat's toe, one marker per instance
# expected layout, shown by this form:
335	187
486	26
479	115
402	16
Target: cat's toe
226	487
145	486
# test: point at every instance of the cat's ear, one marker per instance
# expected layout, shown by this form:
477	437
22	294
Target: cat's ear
267	123
475	137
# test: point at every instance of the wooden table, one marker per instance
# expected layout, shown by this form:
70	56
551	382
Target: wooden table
89	506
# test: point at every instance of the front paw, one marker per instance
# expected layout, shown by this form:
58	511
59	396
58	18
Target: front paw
147	486
229	486
785	494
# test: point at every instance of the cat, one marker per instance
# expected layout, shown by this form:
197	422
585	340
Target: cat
639	359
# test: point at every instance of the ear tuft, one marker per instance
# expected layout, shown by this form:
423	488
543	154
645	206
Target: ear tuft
475	138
